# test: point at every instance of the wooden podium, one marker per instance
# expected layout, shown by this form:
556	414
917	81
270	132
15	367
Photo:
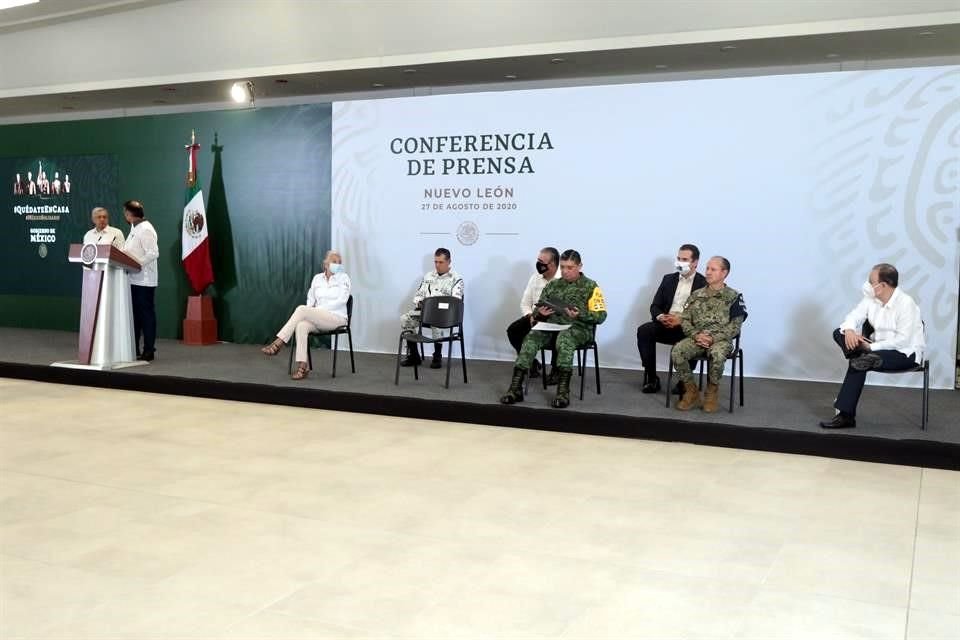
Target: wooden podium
106	311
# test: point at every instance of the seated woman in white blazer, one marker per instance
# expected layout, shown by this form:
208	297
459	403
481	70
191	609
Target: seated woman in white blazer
326	309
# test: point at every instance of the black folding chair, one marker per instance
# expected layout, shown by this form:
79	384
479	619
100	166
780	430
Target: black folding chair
440	312
735	355
920	367
336	333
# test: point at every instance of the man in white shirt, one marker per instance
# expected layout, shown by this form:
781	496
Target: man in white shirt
897	344
102	232
666	314
548	263
142	245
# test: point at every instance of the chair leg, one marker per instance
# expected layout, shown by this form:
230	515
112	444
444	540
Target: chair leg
596	366
463	359
741	377
449	357
579	364
669	380
926	398
353	367
292	349
583	378
396	378
336	343
702	363
733	379
543	371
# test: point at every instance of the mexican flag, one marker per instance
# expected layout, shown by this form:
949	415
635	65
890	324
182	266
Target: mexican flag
195	242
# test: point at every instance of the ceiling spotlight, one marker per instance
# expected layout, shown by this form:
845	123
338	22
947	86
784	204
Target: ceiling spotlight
242	92
728	47
281	81
557	60
926	33
409	70
169	89
378	85
510	76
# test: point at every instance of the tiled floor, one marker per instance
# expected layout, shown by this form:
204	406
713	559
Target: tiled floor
127	515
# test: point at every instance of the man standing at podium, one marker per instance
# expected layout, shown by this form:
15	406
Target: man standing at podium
141	244
102	232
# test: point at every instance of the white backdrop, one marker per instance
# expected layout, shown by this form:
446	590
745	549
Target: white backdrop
802	181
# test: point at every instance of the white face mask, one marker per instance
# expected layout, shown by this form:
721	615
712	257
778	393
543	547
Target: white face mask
868	290
336	267
683	268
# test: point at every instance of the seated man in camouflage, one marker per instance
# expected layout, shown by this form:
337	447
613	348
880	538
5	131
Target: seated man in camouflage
584	309
711	320
442	281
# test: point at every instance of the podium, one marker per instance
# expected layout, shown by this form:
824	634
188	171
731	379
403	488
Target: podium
106	311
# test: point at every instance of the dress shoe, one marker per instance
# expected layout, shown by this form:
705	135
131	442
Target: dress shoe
436	362
840	421
147	356
651	384
867	362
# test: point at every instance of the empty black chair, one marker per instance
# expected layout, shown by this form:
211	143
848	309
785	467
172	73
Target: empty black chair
336	333
440	312
735	355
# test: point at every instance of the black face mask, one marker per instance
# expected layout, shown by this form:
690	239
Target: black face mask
542	267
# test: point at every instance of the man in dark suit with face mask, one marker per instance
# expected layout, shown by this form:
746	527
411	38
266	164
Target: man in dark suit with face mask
665	312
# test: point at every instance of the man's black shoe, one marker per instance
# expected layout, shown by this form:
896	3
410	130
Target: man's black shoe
535	369
437	362
651	384
412	360
840	421
147	356
866	362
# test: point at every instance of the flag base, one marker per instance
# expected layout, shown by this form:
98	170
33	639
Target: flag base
200	325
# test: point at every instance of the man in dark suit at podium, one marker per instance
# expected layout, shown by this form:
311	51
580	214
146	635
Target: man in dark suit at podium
665	312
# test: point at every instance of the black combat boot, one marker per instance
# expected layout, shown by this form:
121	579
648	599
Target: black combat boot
515	392
563	389
413	358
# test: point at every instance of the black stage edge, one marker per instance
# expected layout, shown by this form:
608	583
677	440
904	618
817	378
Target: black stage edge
919	453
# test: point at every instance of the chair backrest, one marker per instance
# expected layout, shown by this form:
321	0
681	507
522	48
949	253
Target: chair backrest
349	310
442	312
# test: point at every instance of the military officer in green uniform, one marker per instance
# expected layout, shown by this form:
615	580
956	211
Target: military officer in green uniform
581	306
711	320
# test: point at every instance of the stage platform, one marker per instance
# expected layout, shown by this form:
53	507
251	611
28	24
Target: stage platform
778	415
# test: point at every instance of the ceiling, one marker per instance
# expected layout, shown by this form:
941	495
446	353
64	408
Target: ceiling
52	11
830	51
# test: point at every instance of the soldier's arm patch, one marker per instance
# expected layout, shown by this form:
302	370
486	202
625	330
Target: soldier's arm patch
596	303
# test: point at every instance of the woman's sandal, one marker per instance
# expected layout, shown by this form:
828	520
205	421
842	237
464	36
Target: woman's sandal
301	372
273	348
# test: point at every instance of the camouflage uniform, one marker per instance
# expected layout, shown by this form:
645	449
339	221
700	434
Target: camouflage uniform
718	312
432	285
585	295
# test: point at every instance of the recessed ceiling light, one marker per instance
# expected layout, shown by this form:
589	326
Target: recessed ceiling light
926	33
661	66
9	4
557	60
728	47
242	92
377	85
510	76
281	81
833	55
409	70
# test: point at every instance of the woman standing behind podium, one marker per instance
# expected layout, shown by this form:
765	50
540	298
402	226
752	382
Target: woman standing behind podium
141	244
326	309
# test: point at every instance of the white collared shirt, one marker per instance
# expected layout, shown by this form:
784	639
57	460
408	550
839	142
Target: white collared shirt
684	289
109	235
330	295
141	245
897	324
531	295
